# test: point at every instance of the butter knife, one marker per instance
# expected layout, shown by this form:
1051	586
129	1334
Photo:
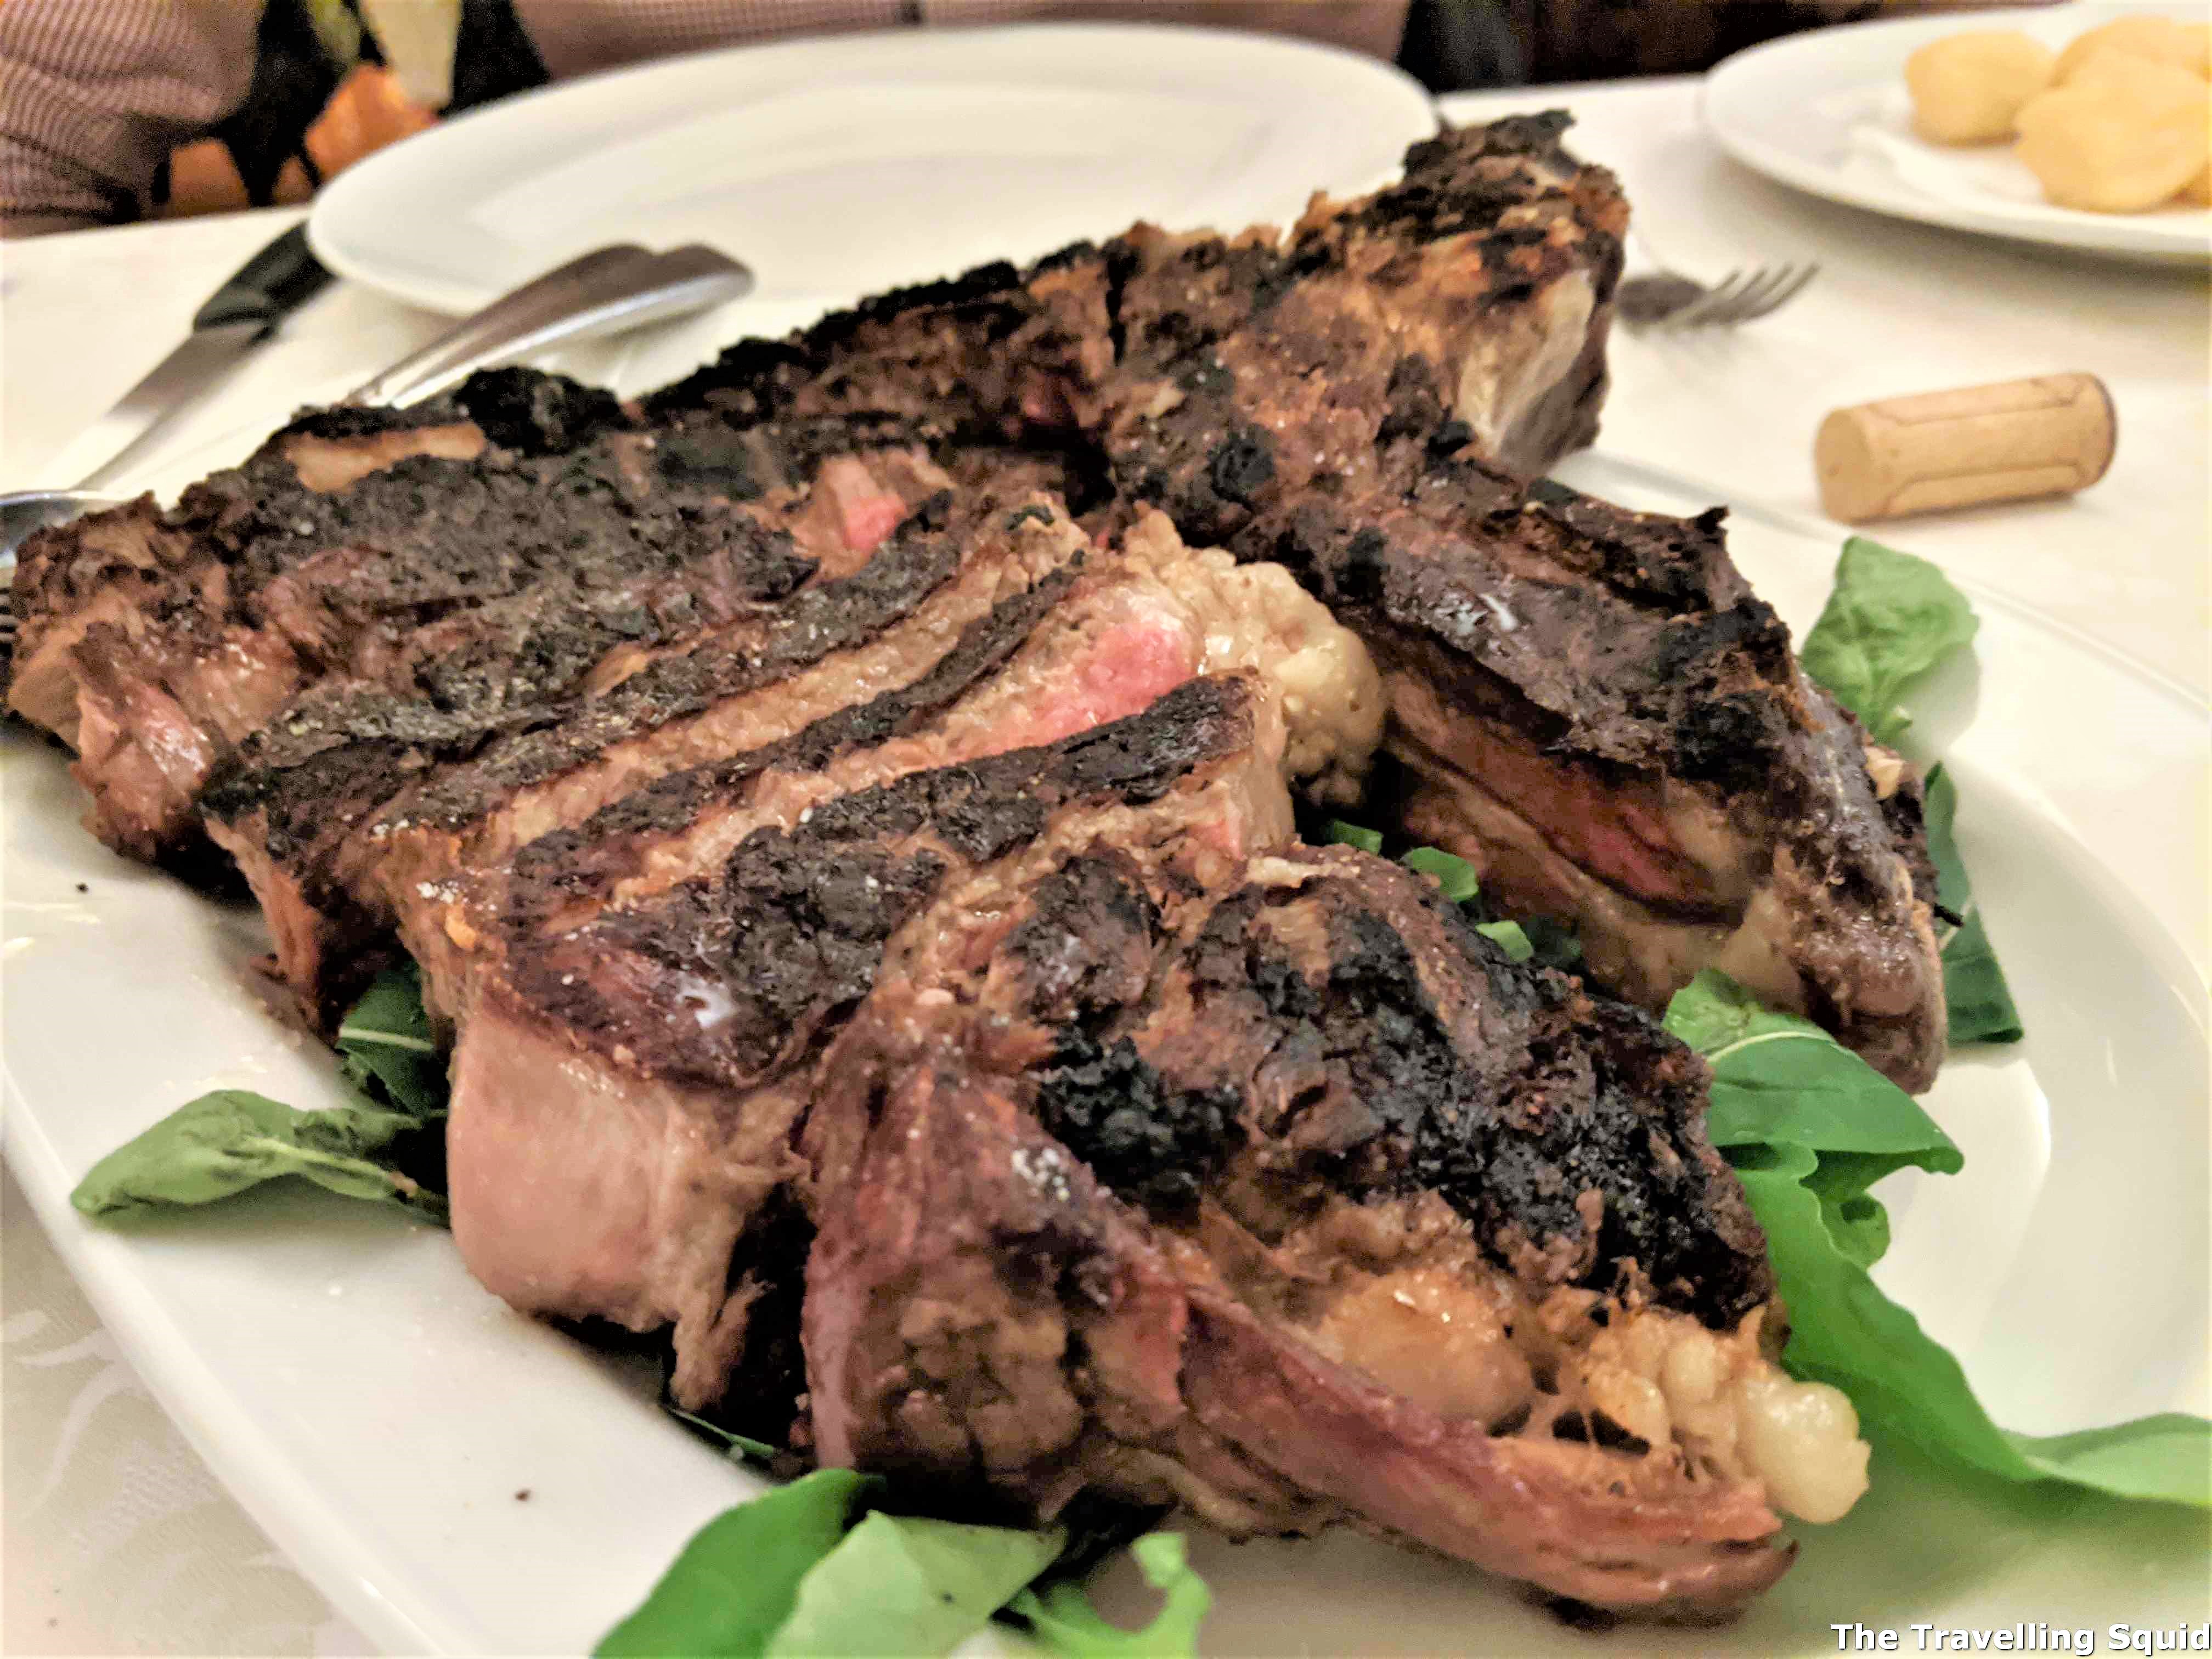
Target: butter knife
244	310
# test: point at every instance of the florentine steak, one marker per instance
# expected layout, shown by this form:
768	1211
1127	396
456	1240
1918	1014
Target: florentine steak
413	553
1644	759
1590	705
626	1089
1125	1187
535	775
1213	375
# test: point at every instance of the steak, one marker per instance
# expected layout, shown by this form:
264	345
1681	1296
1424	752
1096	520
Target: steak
1215	375
842	806
1294	1200
1592	707
626	1089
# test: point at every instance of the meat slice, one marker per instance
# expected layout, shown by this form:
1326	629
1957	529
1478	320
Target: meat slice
626	1090
413	553
356	789
1293	1199
1217	374
1590	705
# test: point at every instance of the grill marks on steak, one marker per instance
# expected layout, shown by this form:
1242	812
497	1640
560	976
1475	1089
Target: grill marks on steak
372	800
1590	705
366	550
1297	1168
640	1076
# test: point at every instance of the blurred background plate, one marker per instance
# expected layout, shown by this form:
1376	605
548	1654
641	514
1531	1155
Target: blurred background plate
1827	112
844	165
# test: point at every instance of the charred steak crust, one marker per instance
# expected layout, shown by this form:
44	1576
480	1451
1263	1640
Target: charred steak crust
1543	1095
1603	685
800	917
569	861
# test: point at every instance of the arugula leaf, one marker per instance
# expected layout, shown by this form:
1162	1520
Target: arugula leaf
736	1447
1889	619
1064	1622
918	1586
1342	834
1553	942
1452	874
388	1050
1809	1126
1974	986
231	1139
737	1580
1509	937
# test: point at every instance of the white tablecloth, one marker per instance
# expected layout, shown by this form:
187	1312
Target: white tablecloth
118	1540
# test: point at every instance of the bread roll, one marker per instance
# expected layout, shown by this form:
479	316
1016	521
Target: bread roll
2161	39
2123	137
1967	88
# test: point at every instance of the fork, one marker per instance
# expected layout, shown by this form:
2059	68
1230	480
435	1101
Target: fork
1661	297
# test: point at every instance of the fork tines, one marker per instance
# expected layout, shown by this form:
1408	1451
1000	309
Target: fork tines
1743	295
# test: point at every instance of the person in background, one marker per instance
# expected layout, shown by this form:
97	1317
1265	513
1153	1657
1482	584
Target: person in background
96	95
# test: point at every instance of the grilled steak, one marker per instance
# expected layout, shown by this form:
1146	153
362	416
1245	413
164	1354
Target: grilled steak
1590	705
1294	1200
840	807
1215	375
626	1090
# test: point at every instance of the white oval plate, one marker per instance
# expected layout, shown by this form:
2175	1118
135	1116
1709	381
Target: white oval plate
377	1412
843	166
1826	111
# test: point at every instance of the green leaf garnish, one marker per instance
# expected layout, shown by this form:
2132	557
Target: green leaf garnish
1809	1126
1889	619
1508	937
226	1141
1452	874
900	1584
1974	986
1064	1622
387	1049
1342	834
737	1580
737	1447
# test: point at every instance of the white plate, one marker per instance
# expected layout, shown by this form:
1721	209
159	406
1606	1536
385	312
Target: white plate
378	1414
1827	112
923	153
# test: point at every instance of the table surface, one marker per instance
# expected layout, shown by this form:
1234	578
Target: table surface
117	1539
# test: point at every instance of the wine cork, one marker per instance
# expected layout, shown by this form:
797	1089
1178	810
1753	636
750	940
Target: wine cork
2050	435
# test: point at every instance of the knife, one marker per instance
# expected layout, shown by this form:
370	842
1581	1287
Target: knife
266	288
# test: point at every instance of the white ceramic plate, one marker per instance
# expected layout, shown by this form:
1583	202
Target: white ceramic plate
843	166
1827	112
379	1414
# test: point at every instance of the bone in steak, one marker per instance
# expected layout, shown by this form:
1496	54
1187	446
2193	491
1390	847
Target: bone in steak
887	731
1291	1199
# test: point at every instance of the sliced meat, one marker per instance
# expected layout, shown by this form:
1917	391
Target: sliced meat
626	1091
356	792
1304	1168
1590	705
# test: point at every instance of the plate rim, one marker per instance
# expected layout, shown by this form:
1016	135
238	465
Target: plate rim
2110	236
439	293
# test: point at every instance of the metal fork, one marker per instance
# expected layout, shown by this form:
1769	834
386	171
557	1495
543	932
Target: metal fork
1661	297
